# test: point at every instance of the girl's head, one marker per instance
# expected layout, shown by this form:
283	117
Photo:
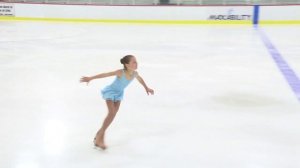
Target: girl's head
129	62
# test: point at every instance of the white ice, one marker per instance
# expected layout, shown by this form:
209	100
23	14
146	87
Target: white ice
220	101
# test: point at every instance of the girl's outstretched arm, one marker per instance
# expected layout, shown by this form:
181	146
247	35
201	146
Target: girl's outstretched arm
102	75
148	90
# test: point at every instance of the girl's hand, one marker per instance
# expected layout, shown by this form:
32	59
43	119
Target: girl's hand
151	91
85	79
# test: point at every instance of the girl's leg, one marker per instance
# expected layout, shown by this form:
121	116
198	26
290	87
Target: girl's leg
117	105
113	108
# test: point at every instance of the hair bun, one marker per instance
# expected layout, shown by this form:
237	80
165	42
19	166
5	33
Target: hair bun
126	59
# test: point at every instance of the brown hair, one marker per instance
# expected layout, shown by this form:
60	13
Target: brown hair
125	60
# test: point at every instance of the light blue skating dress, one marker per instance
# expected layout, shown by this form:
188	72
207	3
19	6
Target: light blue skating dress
115	91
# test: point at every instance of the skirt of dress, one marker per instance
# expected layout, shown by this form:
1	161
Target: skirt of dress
109	93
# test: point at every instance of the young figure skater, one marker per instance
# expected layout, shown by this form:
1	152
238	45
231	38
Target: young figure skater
113	93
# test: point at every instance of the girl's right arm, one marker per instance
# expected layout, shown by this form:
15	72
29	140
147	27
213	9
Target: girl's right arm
102	75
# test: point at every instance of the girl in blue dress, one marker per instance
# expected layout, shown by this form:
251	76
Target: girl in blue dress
113	93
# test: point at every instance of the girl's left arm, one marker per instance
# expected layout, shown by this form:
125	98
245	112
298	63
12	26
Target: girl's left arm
140	79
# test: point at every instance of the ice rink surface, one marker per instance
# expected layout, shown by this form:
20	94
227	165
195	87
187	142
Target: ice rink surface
220	101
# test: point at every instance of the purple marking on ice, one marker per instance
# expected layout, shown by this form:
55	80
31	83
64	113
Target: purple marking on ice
283	66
